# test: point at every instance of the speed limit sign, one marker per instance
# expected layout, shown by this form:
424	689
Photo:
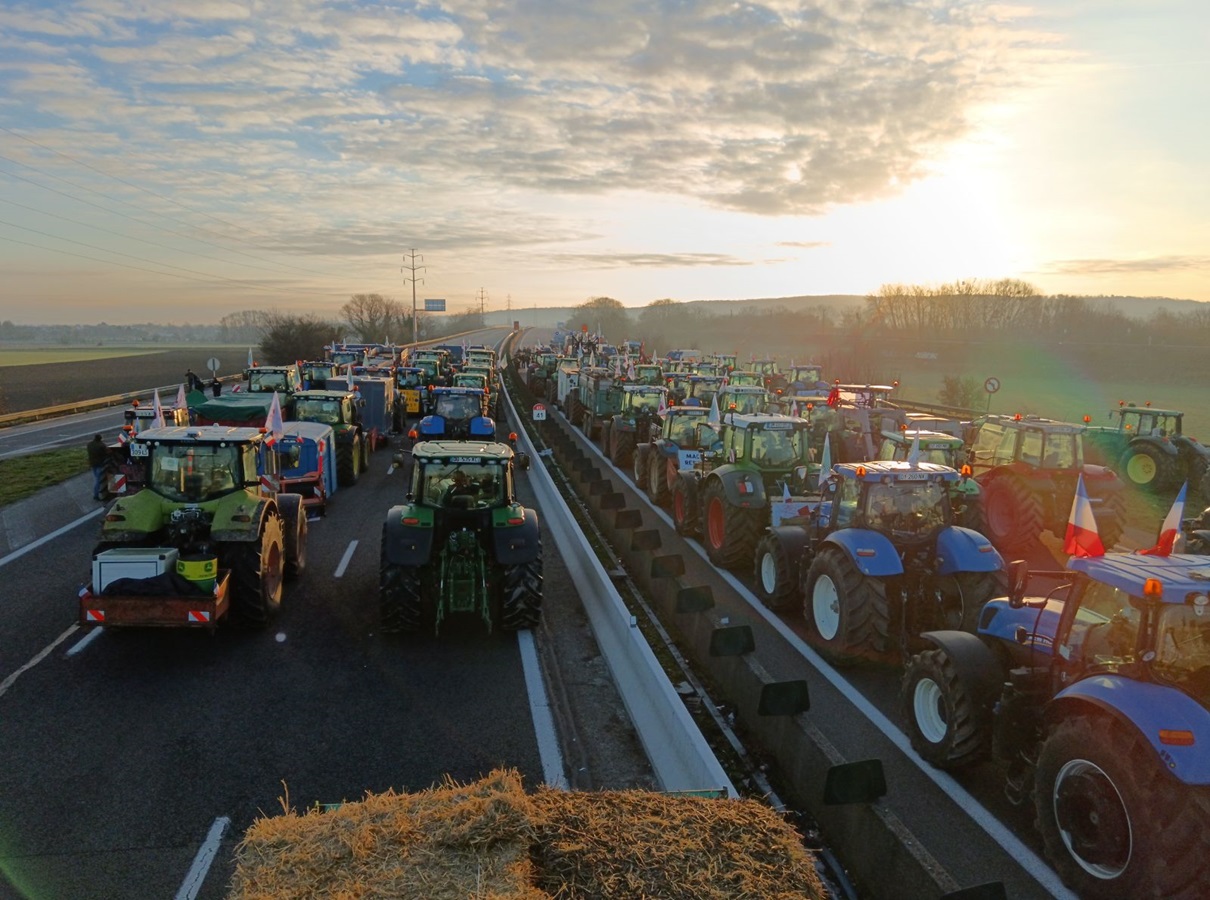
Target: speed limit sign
991	385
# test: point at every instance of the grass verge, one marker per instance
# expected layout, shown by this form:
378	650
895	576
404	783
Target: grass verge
23	476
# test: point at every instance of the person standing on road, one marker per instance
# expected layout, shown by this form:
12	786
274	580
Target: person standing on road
192	381
216	387
98	457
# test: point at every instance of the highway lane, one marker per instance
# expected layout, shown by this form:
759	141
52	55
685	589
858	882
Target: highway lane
117	760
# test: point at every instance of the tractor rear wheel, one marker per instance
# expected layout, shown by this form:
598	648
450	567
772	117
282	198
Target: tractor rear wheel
621	447
945	724
1013	513
1113	821
729	530
776	574
657	479
684	508
1147	467
521	604
641	465
963	595
348	462
848	617
257	569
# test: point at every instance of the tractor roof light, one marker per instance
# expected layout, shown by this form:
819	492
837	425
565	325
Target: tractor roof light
1017	417
1153	588
1087	419
861	471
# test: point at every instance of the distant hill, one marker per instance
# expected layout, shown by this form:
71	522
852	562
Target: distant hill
1135	307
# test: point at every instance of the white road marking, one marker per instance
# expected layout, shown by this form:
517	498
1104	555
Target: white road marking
84	641
45	652
539	707
16	554
344	560
201	863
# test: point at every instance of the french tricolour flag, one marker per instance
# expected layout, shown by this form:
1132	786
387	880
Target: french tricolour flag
1171	527
1082	537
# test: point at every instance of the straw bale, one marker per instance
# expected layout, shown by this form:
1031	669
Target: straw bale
490	840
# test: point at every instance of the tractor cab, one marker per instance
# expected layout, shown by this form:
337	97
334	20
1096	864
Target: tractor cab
745	378
285	380
200	464
315	373
457	413
906	502
702	388
742	400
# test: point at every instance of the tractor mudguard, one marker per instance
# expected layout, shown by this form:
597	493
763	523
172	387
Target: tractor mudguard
1000	621
517	544
870	551
977	665
792	539
1150	709
1162	445
964	550
482	427
432	425
405	545
734	478
224	529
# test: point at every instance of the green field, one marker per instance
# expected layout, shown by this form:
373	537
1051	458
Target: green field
35	356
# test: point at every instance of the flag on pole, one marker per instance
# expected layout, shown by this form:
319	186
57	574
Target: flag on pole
914	453
250	362
630	373
1082	538
1171	527
825	460
157	410
349	376
785	489
714	418
794	409
663	407
273	421
181	402
617	367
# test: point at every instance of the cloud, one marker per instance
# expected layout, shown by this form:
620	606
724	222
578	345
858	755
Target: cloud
649	260
772	108
804	245
1145	265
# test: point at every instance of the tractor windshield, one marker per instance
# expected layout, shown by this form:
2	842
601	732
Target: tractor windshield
267	382
458	406
310	409
907	509
743	403
642	400
778	449
461	485
681	431
1183	648
194	473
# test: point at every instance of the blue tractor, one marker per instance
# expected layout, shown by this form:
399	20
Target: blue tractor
458	414
1097	696
880	562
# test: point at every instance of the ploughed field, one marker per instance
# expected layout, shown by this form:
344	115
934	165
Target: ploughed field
35	385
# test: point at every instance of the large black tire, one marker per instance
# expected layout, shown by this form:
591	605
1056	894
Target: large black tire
657	479
348	462
640	463
684	508
945	724
1114	822
1012	513
621	447
1111	517
848	617
257	571
971	515
401	605
728	531
776	575
294	528
521	601
573	409
1147	467
963	596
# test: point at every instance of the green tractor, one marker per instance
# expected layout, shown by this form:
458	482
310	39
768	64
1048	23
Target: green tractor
635	423
728	497
944	450
341	410
599	400
211	493
461	543
1148	449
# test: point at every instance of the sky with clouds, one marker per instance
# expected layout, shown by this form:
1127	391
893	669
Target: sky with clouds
177	160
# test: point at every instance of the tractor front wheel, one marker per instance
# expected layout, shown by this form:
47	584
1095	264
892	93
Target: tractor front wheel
1146	467
641	465
1012	512
657	479
684	508
776	574
257	569
1113	821
348	462
945	724
521	604
729	530
848	618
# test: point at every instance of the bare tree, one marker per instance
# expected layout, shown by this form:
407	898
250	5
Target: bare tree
604	315
373	317
285	338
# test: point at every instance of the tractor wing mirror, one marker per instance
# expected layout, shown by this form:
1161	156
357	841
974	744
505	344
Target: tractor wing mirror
1018	581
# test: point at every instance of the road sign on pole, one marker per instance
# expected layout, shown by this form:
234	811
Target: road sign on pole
212	364
539	412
